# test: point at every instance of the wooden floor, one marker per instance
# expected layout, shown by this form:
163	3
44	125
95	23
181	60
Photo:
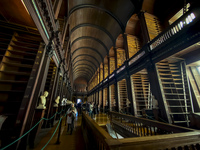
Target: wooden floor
67	141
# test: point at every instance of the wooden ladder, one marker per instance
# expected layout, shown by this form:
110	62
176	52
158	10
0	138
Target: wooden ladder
175	91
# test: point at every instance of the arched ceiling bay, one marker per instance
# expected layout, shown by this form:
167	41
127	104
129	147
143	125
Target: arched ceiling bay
94	27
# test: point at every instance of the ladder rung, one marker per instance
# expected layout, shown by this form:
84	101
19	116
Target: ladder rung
176	99
172	88
178	106
174	94
181	121
178	113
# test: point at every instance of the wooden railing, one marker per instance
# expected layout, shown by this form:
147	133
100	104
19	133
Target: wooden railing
97	138
94	135
183	23
143	127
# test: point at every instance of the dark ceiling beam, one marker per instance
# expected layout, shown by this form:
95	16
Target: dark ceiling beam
87	65
91	38
97	27
83	68
93	49
137	5
87	56
87	61
100	9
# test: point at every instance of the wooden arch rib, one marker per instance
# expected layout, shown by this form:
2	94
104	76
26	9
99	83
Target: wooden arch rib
88	66
82	75
91	38
87	56
93	49
87	61
82	6
83	68
82	72
94	26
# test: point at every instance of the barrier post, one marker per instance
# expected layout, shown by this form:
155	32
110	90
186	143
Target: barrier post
58	139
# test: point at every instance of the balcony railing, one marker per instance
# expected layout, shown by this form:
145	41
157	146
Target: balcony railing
182	23
181	139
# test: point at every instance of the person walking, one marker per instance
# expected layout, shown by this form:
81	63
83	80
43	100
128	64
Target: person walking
71	115
91	106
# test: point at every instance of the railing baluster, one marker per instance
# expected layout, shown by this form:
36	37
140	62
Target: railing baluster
141	127
154	129
186	147
197	146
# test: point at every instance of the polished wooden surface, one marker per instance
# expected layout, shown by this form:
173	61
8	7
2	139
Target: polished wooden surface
67	141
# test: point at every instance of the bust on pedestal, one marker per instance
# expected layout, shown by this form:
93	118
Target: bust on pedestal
43	101
155	108
56	101
39	114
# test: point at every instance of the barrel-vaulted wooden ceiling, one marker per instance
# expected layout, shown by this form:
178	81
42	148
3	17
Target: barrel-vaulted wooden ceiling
94	26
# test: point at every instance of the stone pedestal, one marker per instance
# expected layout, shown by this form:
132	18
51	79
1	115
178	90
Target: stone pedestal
194	120
156	113
39	114
55	109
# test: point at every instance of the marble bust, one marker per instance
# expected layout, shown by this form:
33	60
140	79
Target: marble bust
42	101
56	101
154	102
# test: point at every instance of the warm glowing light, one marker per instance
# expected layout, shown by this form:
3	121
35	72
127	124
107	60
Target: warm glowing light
25	6
192	15
198	68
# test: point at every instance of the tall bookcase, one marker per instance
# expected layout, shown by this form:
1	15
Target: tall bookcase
141	92
18	52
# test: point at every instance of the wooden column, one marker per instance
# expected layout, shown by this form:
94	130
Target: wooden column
99	74
115	53
55	96
39	114
126	45
144	29
51	98
116	96
156	90
108	96
38	81
57	8
129	92
108	65
103	71
102	99
98	97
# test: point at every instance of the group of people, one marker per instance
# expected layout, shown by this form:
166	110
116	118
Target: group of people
93	110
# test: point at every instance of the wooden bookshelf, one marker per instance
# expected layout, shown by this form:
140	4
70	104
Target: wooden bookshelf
17	57
112	98
141	91
153	25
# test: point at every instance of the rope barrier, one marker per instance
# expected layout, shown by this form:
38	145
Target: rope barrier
52	134
54	131
33	128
